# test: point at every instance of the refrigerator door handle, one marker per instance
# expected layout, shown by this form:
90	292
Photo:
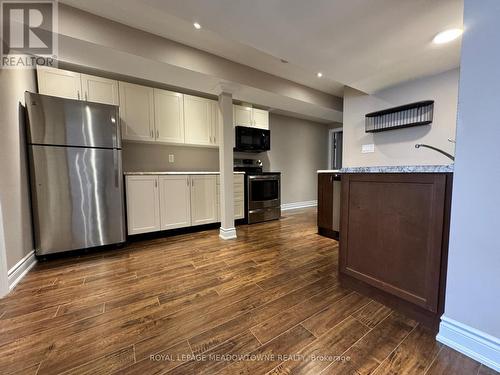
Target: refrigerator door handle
115	166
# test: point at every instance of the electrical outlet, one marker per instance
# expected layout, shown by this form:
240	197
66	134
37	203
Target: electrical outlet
171	158
365	149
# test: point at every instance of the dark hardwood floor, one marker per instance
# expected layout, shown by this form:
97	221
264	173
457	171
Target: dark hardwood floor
268	302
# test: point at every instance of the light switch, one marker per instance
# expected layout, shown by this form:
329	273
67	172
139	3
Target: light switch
171	158
365	149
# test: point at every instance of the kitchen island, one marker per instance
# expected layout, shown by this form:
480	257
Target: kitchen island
394	227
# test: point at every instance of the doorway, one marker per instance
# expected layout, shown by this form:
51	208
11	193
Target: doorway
335	142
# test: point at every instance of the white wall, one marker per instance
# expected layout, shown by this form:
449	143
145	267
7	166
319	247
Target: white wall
298	149
473	284
397	147
14	191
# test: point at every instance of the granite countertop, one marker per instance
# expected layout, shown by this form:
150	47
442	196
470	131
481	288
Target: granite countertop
171	173
395	169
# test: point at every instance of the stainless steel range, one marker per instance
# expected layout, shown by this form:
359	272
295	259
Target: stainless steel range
262	191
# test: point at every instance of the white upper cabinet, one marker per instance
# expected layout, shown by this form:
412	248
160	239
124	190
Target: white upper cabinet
198	120
100	90
215	122
72	85
203	199
58	82
169	116
251	117
143	214
242	116
260	118
175	201
137	112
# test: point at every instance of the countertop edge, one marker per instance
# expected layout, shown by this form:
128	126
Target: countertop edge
173	173
394	169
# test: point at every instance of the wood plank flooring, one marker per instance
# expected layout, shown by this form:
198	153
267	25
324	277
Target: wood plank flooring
268	302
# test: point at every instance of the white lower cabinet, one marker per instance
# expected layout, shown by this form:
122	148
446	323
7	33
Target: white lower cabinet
175	201
239	197
162	202
203	199
143	204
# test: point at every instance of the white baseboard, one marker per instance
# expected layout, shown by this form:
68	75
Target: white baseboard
227	234
473	343
295	205
20	269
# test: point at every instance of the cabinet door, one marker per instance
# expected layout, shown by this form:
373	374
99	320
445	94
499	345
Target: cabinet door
260	118
215	122
239	209
203	199
136	112
393	228
58	82
242	116
175	202
143	204
100	90
198	120
239	197
169	116
325	201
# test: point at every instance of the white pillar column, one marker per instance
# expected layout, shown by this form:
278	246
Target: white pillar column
226	142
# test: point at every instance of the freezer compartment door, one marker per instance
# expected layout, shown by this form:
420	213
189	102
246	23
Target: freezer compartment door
77	198
68	122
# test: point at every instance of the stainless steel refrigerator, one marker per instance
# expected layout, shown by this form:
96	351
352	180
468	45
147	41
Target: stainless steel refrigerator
75	173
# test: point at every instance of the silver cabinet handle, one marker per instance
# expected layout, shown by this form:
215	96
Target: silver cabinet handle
156	183
85	96
78	93
157	133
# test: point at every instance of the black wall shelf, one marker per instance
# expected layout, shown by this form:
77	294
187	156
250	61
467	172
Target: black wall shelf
404	116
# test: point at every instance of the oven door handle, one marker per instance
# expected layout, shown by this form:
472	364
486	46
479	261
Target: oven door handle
263	178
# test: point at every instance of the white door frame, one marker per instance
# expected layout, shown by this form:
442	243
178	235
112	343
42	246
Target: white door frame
330	145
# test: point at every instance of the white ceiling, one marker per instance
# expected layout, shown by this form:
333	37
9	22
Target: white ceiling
365	44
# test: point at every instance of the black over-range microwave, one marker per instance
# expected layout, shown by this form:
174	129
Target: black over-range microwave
252	139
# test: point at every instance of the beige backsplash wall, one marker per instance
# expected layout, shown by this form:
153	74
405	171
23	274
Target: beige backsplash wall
298	148
154	158
397	147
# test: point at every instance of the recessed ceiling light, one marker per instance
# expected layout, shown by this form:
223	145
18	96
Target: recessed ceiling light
447	36
197	26
284	61
319	74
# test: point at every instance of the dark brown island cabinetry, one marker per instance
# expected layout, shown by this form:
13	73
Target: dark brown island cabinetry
329	204
394	239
